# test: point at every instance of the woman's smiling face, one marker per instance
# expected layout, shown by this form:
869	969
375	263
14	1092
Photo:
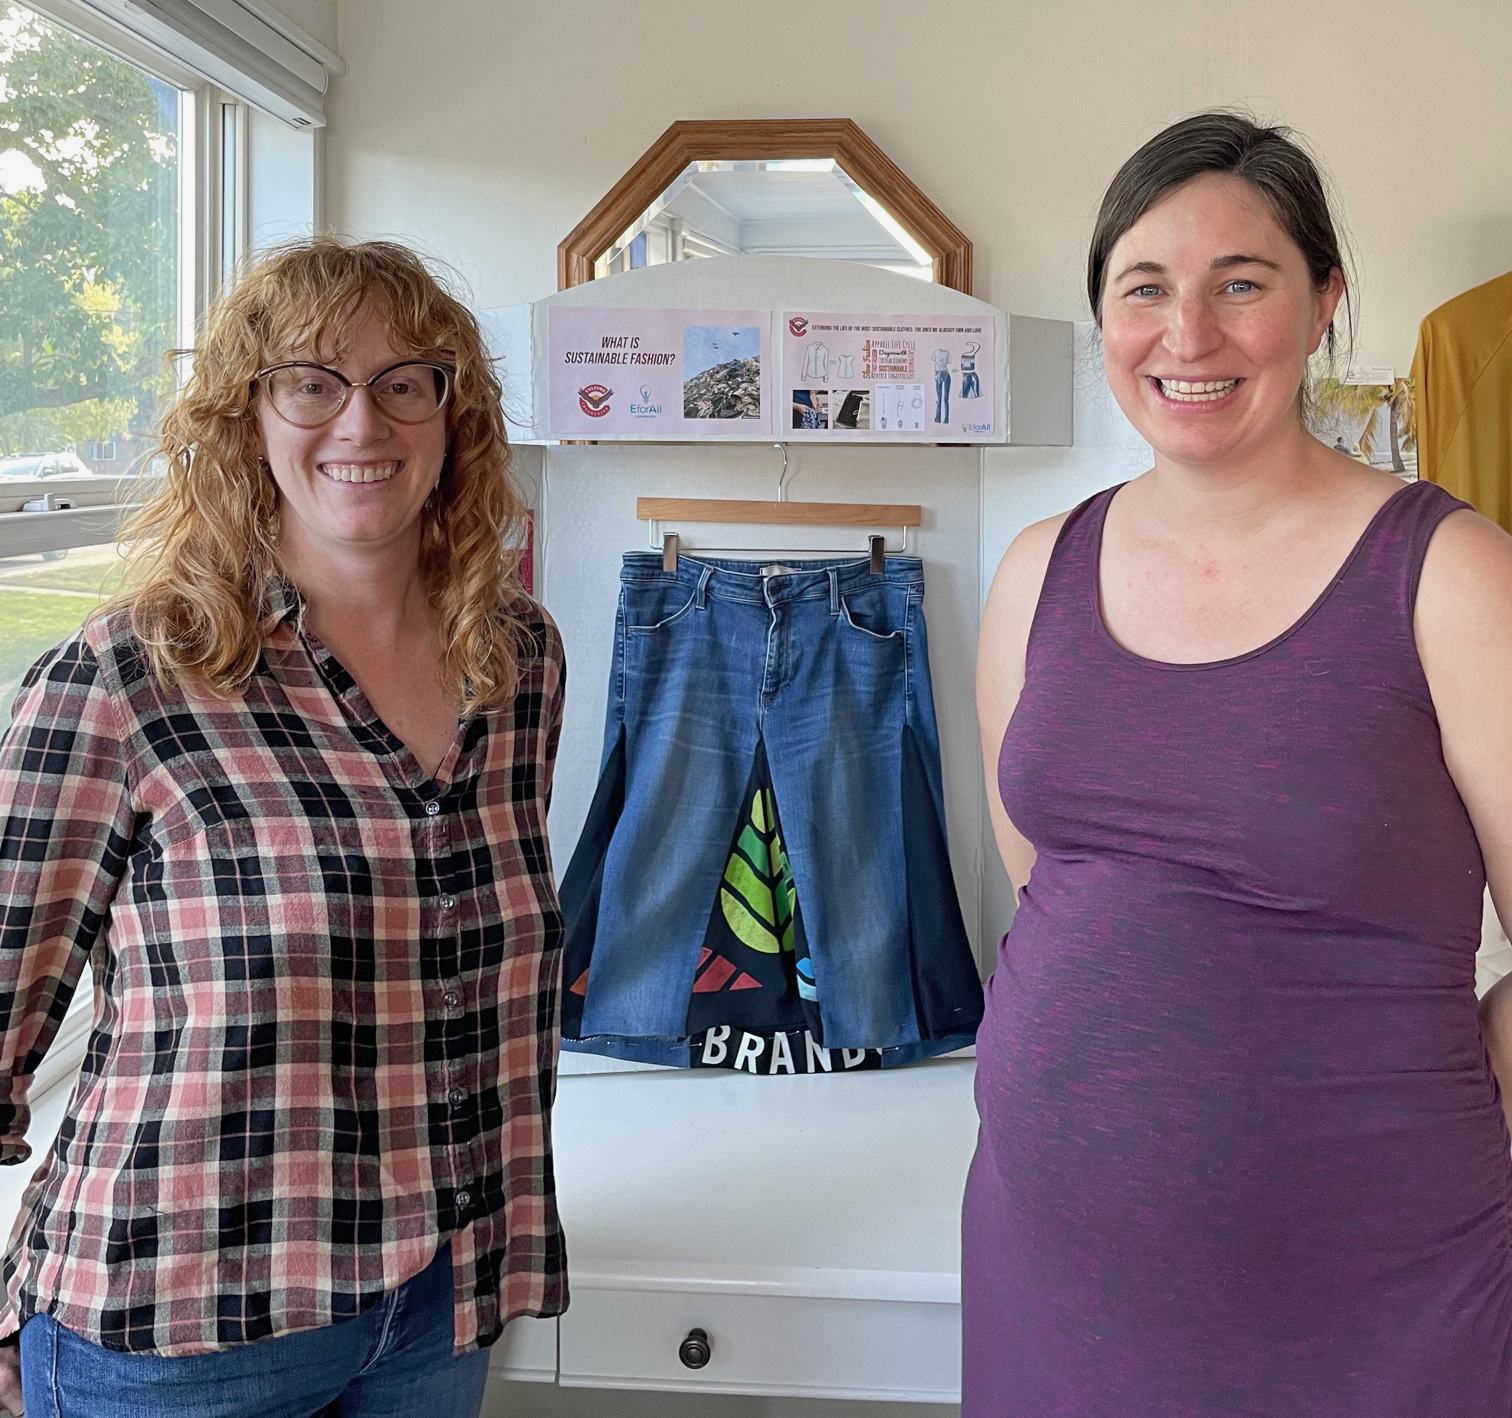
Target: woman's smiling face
359	481
1209	315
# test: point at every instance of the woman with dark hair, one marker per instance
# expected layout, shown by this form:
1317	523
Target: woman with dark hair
1246	722
287	796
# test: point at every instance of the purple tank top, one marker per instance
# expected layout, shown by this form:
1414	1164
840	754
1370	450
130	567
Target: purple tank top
1242	1155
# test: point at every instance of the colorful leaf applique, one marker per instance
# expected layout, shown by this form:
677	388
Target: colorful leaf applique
757	894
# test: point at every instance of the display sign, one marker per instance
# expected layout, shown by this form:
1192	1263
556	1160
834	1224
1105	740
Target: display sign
849	378
618	372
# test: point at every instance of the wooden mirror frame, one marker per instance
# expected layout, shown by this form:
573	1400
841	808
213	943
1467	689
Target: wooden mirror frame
753	139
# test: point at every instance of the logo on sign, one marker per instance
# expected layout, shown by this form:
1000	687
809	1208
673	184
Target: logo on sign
593	399
646	409
798	326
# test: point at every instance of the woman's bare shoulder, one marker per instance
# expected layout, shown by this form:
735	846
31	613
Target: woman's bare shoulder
1021	572
1466	585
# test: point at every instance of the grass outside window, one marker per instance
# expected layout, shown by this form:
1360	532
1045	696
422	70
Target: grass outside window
44	602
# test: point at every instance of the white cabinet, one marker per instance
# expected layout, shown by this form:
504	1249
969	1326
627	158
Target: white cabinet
808	1225
799	1346
526	1352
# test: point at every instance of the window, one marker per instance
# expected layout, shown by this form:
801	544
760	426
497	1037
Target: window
95	190
129	188
91	200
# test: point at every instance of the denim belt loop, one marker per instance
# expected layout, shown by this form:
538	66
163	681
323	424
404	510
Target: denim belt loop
834	580
700	596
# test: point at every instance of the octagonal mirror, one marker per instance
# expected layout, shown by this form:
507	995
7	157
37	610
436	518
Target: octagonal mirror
776	207
816	188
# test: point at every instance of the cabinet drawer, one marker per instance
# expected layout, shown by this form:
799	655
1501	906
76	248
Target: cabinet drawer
526	1350
797	1345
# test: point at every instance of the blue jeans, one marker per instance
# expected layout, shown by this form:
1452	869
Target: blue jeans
394	1361
942	396
818	677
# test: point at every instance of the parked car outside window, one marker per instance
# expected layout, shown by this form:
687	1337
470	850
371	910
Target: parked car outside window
44	465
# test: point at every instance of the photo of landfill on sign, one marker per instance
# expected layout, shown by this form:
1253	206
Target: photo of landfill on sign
721	372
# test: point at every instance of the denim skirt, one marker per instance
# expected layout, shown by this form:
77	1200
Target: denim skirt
762	882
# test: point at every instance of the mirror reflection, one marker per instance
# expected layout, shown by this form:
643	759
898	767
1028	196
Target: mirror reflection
777	207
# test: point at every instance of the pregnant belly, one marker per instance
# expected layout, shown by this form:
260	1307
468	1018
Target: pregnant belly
1266	1112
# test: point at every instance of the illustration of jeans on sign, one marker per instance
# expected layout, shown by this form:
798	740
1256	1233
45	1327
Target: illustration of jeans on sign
942	386
971	386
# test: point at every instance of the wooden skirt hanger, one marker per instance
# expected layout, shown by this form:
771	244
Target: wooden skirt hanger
657	510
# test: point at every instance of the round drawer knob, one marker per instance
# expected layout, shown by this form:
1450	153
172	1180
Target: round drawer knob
695	1351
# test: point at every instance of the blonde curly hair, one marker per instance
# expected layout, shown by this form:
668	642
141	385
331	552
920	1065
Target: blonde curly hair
202	552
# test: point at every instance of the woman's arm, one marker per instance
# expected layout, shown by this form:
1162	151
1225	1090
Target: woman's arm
1000	671
1464	634
64	836
65	829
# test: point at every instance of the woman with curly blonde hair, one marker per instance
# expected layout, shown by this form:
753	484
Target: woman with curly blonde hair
288	796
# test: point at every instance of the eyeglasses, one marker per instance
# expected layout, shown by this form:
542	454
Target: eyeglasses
308	395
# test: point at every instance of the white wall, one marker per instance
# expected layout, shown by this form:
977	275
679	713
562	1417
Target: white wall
490	128
317	18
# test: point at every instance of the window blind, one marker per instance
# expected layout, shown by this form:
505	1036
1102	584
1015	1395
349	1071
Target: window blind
245	47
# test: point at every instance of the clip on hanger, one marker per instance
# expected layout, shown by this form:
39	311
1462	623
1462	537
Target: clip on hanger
781	512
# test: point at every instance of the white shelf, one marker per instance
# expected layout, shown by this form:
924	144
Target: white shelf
1034	377
810	1225
708	1173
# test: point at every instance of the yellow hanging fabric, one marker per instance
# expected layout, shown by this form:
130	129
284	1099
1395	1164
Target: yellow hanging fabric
1463	376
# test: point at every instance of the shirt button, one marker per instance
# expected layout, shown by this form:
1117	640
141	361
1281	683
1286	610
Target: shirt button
452	998
463	1199
447	902
456	1097
431	809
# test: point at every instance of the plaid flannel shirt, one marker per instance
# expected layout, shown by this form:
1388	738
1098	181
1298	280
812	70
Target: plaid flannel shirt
325	999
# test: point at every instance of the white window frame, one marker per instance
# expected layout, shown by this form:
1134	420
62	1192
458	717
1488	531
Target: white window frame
230	182
83	512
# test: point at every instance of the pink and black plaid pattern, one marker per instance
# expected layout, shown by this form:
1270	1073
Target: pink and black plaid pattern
325	998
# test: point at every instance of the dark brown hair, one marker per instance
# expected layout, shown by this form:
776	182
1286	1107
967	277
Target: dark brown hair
1269	159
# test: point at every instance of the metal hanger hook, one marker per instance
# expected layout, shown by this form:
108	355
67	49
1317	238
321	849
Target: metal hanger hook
782	480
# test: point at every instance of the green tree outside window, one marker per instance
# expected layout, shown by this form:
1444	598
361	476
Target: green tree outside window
89	289
89	235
